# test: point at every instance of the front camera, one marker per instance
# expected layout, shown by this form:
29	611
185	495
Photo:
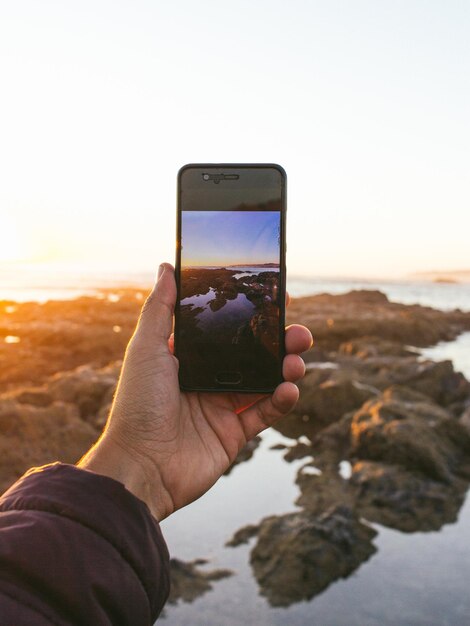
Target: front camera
205	176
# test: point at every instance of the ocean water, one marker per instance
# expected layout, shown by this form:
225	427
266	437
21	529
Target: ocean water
22	282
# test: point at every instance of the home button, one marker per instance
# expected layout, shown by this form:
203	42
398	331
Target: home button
228	378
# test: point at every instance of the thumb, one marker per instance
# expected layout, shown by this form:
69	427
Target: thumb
156	319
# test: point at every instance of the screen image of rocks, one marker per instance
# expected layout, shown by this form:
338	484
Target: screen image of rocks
230	278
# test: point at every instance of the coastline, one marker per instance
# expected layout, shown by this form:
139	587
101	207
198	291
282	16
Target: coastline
335	454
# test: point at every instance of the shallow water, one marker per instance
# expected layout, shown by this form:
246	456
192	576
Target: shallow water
418	579
232	314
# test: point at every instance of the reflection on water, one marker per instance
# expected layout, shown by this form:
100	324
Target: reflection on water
233	313
457	351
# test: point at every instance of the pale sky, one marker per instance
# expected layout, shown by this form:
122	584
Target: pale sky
364	103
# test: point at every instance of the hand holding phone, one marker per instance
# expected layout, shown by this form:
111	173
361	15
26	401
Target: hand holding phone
168	446
230	272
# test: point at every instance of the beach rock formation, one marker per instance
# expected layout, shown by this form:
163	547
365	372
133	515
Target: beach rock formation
188	581
57	421
58	336
408	459
410	502
324	398
34	435
245	453
298	555
336	319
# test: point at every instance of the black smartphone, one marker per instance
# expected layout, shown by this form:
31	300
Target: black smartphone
231	276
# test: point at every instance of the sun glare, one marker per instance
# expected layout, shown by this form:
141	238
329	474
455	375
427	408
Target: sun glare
12	246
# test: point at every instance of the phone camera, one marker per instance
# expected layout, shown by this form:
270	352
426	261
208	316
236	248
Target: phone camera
205	176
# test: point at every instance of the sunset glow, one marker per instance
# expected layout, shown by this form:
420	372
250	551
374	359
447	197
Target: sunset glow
12	247
94	131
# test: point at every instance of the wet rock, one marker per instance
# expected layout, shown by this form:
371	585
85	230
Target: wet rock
323	490
245	453
332	444
409	433
243	535
298	451
439	381
410	502
323	400
188	581
298	555
278	446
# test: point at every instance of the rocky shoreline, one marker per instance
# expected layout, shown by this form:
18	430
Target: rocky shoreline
385	434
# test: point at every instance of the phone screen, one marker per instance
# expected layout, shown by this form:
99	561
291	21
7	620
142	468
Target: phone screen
230	269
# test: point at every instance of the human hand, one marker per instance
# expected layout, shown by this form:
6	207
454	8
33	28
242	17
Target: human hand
169	447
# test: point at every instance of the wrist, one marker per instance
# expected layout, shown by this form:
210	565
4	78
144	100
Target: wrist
109	458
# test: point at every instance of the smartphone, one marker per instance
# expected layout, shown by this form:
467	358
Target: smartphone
231	276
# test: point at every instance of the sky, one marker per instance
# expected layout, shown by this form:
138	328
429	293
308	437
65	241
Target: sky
364	103
230	237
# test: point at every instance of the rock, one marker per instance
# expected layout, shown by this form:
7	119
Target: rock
243	535
438	380
465	419
390	430
34	435
296	556
278	446
60	336
84	387
188	582
298	451
367	347
320	492
34	397
336	319
245	453
394	497
323	400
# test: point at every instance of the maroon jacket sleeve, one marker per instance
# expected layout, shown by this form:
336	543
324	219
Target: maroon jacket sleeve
78	548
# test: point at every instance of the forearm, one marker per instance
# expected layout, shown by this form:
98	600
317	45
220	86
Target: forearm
77	547
138	475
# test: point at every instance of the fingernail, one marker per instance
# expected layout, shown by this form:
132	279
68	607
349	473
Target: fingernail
161	269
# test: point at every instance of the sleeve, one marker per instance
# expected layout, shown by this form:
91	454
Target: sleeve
78	548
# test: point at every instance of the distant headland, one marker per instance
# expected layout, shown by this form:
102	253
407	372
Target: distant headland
440	276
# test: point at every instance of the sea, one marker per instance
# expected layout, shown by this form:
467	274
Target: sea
414	579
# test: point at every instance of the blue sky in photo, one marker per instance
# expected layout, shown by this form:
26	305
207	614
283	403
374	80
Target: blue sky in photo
230	237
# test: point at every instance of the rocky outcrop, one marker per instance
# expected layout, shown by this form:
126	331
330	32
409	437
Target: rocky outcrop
408	458
404	428
336	319
298	555
60	336
323	399
34	435
188	581
58	421
396	455
245	453
410	502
